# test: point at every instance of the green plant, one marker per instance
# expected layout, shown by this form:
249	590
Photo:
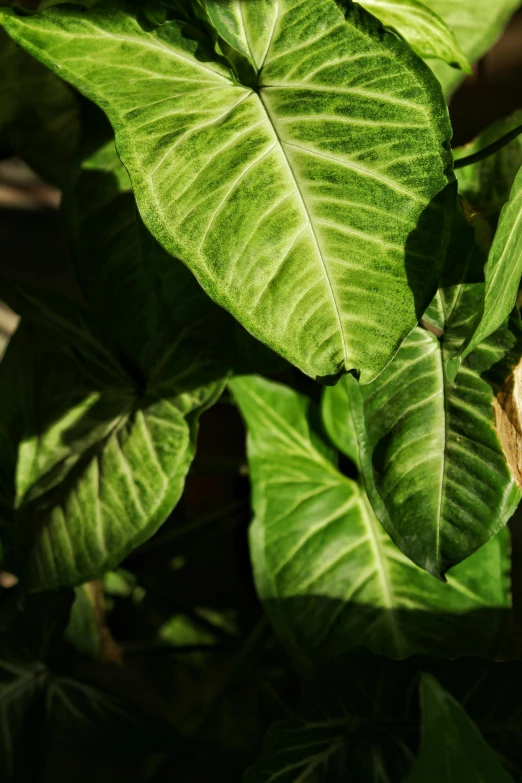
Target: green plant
263	215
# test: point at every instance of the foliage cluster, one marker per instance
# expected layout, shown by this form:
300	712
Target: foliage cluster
265	217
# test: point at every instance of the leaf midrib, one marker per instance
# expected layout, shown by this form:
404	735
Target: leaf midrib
380	557
311	225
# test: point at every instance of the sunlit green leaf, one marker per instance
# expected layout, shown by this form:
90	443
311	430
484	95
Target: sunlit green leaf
140	298
343	172
422	28
503	269
95	463
432	460
329	576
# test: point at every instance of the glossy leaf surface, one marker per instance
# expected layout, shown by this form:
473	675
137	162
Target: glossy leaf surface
452	747
342	171
328	574
432	460
503	269
422	28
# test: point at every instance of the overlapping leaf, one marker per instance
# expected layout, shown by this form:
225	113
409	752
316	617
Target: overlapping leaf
433	464
98	431
329	576
503	269
339	168
422	28
476	27
452	747
103	439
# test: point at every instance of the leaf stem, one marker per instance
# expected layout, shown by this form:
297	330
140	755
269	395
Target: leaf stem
489	150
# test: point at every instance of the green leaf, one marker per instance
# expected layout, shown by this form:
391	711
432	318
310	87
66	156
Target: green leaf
32	97
421	27
95	463
95	453
452	747
349	727
503	269
433	464
476	27
460	298
231	169
487	184
338	425
329	576
141	298
86	630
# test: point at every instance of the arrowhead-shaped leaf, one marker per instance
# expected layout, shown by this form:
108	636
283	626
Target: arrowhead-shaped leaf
99	462
328	574
342	172
433	464
422	28
98	431
452	747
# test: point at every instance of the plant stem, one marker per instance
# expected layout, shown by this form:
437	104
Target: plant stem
489	150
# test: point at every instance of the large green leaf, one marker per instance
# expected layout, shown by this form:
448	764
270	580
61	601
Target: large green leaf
503	269
341	169
94	463
487	183
433	463
328	574
452	747
422	28
31	98
476	26
95	450
430	453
